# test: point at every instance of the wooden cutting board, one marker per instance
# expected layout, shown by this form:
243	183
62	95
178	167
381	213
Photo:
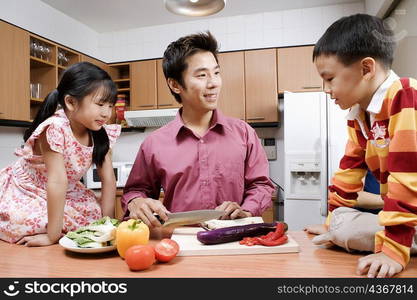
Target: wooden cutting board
186	237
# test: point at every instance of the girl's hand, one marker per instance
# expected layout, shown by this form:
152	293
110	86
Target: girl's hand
38	240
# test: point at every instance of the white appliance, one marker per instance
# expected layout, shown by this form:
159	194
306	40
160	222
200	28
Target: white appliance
150	117
315	136
121	170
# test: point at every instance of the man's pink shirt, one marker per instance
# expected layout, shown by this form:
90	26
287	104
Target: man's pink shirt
228	163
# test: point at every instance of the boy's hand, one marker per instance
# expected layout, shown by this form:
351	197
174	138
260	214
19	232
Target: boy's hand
36	240
316	229
378	265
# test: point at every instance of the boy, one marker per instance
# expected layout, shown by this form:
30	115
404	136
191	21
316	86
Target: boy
354	58
202	159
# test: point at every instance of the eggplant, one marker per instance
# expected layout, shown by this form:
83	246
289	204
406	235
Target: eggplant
235	233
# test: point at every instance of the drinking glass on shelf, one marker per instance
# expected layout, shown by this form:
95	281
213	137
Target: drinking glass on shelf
59	57
41	51
35	90
66	59
62	58
32	47
47	51
35	48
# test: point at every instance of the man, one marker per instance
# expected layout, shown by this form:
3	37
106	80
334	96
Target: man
202	159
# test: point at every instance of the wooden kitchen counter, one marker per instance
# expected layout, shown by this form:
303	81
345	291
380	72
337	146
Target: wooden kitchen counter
311	261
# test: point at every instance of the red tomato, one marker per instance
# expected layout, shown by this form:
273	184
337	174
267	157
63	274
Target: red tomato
166	250
140	257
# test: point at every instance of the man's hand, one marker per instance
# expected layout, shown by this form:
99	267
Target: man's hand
232	211
144	209
37	240
378	265
316	229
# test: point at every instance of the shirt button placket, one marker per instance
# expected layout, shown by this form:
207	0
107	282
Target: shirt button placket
204	174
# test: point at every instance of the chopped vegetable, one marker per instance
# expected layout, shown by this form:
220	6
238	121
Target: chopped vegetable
166	250
216	224
99	233
275	238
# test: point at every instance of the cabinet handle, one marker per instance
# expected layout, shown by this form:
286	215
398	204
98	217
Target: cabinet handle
257	118
311	87
167	104
146	105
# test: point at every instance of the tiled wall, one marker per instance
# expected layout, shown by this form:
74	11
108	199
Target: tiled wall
10	139
38	17
262	30
404	22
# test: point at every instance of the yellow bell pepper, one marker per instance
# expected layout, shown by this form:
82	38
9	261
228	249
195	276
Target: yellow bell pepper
129	233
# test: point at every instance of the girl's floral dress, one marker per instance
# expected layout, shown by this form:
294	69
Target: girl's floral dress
23	203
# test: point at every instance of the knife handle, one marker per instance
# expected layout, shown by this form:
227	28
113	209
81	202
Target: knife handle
159	218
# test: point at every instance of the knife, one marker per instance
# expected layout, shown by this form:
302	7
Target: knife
190	217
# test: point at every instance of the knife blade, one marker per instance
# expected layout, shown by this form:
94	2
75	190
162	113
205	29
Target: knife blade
190	217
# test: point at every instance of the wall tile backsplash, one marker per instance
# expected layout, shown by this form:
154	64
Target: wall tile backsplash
261	30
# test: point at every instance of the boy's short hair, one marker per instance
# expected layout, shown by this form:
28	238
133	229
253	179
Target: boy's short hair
174	62
355	37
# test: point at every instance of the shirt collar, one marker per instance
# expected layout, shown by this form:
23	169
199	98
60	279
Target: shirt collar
217	118
377	99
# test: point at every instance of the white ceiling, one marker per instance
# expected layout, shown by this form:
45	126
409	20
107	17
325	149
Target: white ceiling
110	15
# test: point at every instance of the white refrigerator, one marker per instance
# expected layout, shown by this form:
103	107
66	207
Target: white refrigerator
315	136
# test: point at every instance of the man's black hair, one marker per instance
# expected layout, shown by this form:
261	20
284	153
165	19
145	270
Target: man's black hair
355	37
174	62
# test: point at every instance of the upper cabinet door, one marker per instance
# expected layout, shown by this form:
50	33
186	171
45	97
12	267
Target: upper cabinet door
165	98
14	73
96	62
296	70
143	85
261	86
232	96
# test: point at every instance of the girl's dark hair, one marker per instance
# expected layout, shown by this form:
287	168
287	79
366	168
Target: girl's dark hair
175	56
355	37
78	81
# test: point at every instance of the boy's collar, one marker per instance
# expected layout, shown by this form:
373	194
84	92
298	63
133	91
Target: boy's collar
377	99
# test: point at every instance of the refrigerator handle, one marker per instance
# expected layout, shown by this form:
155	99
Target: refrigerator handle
324	133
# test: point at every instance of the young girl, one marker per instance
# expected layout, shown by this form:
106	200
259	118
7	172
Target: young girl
41	195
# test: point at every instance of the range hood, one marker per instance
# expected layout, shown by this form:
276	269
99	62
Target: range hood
150	118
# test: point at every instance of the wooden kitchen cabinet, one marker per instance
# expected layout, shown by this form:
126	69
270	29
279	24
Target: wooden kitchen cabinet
232	96
165	98
96	62
14	73
48	61
143	93
43	71
121	75
261	86
296	70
